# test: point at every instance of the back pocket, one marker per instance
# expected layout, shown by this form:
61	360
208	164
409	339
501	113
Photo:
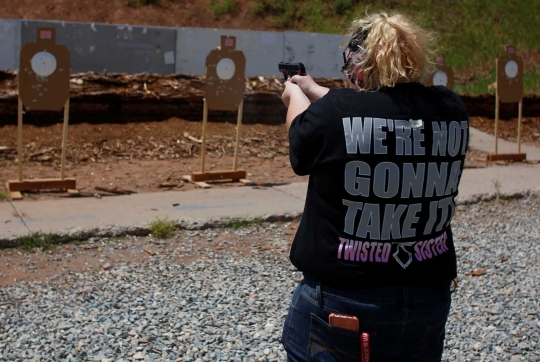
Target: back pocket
327	343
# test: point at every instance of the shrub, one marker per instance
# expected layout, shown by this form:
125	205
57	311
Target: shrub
43	241
163	228
342	6
236	223
283	11
220	7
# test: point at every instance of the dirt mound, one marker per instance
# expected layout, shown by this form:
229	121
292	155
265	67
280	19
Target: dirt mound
120	98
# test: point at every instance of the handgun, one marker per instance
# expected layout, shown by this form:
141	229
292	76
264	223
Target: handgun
290	69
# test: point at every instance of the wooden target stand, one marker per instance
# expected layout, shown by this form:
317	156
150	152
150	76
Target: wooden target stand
224	91
43	83
509	80
14	187
234	174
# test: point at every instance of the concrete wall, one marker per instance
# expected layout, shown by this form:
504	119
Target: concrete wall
320	53
140	49
263	49
111	48
10	40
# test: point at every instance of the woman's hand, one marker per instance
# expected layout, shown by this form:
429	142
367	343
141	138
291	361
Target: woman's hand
310	88
295	100
291	92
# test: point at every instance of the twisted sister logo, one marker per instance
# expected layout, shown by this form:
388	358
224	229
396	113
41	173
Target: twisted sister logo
422	193
402	253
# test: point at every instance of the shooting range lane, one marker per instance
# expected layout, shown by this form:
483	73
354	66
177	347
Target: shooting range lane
135	211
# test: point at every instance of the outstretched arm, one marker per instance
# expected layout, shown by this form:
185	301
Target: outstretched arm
295	100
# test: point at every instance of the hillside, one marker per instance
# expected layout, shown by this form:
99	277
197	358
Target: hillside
471	32
173	13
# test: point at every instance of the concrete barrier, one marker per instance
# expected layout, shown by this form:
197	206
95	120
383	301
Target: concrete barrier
320	53
10	44
111	48
263	49
143	49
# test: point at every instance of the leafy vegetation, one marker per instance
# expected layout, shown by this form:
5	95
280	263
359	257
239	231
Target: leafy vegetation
280	13
42	241
237	223
163	228
3	196
471	33
220	7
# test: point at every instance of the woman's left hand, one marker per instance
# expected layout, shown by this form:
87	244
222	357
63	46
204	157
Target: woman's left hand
291	91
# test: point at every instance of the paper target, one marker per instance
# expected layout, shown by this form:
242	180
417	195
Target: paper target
225	76
440	78
44	73
225	69
511	69
43	64
509	77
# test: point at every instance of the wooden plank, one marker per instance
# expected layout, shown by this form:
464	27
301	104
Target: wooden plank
41	184
15	195
247	182
506	157
73	192
115	190
218	175
202	185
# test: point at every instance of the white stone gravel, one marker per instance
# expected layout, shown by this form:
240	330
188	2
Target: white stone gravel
227	306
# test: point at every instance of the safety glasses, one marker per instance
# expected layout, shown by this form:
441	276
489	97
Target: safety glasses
349	54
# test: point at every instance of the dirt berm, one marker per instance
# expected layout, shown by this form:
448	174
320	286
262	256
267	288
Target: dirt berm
118	98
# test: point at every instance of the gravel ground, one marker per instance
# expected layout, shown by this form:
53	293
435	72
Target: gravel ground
222	295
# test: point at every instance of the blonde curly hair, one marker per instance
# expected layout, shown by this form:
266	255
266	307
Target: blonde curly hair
389	50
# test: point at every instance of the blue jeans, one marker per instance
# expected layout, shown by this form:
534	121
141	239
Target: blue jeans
404	323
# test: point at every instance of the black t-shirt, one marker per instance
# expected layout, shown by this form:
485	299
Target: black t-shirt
384	169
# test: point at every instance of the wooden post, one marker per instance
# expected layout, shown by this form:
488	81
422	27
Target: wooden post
203	145
64	139
238	127
508	91
519	125
19	138
496	122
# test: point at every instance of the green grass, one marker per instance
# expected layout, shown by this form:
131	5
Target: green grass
477	85
471	33
42	241
237	223
3	196
282	13
531	81
163	228
221	7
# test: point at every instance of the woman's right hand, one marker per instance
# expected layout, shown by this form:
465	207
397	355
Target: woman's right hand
310	88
